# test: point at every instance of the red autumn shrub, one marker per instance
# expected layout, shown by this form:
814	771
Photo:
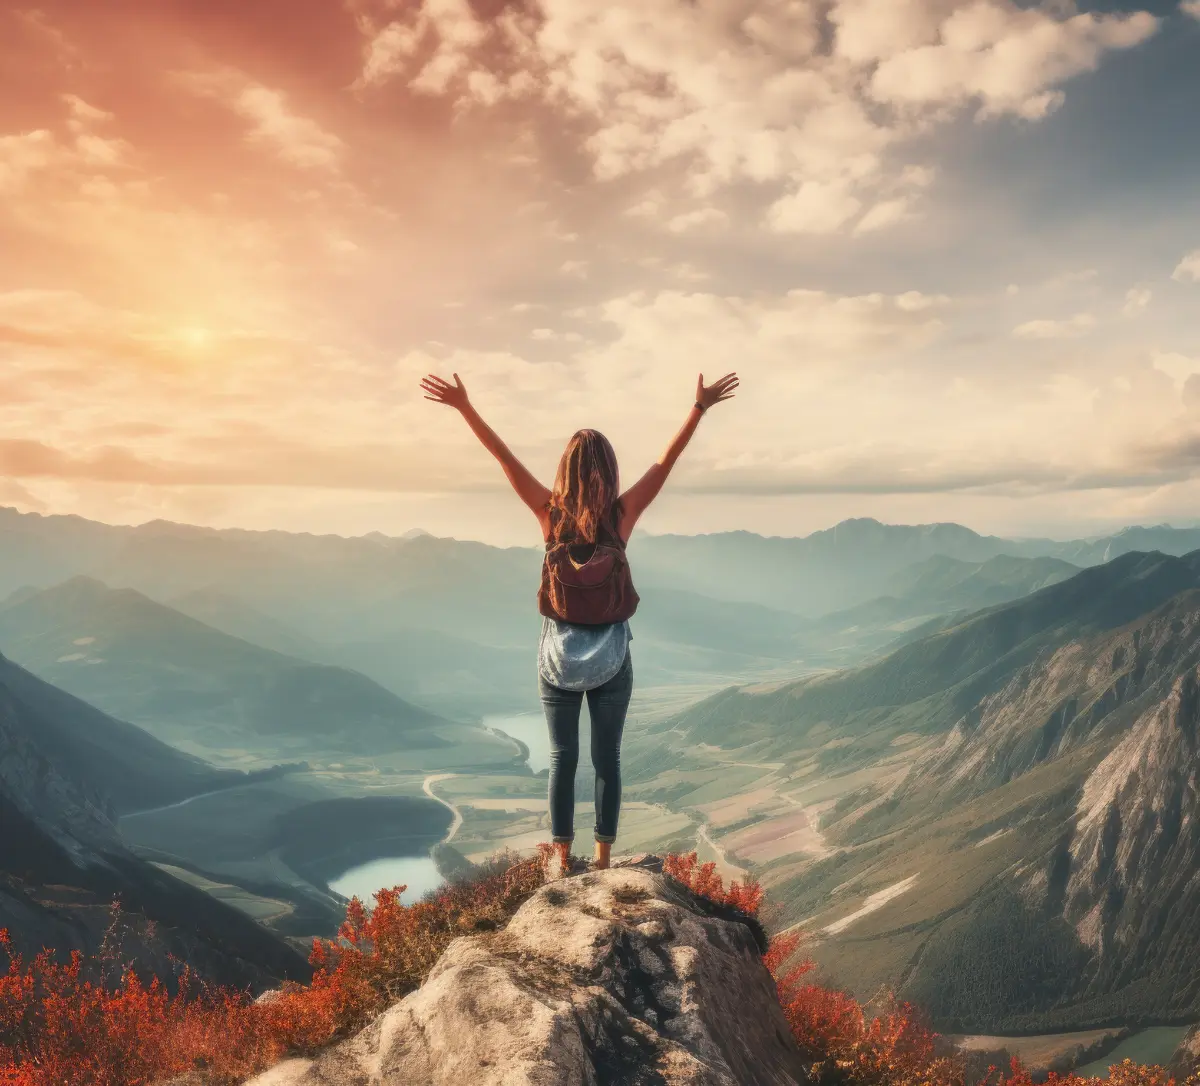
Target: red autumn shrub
56	1027
703	879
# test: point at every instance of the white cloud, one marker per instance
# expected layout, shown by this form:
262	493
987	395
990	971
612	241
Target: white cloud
1071	328
1006	58
1136	301
1189	268
1190	7
742	90
296	139
814	208
648	208
913	301
574	269
691	220
885	213
84	151
24	155
388	52
83	115
547	335
810	325
1176	366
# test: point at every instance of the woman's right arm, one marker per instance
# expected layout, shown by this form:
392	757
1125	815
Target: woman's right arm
635	500
528	489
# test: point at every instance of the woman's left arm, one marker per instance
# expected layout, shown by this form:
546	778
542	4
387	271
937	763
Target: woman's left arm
528	489
635	500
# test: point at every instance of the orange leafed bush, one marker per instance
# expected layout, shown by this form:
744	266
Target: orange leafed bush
703	879
894	1047
56	1027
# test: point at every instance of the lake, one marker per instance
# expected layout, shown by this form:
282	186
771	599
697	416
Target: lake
530	729
1150	1046
418	873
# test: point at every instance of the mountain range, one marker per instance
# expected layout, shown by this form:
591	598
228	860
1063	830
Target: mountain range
1016	839
448	625
994	813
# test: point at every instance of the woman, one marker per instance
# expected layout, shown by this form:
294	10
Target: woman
586	598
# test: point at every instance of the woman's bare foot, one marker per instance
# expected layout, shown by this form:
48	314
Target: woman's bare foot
603	853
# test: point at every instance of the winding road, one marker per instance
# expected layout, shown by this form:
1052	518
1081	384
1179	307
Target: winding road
430	781
722	855
182	802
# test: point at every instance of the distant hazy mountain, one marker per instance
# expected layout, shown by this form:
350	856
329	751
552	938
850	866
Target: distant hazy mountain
1051	830
147	663
943	584
453	623
935	679
857	560
232	616
64	768
938	586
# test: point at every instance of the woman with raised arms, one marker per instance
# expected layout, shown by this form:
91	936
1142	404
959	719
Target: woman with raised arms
586	597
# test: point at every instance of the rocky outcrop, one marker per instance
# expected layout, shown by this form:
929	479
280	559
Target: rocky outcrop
621	976
1186	1060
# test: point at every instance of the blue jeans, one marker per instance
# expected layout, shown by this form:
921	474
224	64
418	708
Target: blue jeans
607	706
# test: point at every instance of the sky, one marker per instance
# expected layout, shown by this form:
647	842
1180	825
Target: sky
951	247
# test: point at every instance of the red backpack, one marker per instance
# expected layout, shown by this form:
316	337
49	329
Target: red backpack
587	583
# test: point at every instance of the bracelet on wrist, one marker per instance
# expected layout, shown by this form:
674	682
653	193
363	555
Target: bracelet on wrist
699	407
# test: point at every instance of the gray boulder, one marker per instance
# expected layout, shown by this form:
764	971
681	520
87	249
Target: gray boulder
620	976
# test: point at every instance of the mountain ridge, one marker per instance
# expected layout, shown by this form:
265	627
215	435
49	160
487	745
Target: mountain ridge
62	861
1037	850
152	665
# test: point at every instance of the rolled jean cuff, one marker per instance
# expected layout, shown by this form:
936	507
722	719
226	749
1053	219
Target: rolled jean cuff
606	839
562	840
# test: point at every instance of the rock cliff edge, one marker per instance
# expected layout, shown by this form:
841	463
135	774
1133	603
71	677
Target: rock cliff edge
619	976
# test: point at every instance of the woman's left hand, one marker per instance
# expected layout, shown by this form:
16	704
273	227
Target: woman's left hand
720	390
452	395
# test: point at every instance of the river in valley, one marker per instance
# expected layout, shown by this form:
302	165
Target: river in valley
530	729
418	873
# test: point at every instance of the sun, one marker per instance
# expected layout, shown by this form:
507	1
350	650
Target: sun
196	337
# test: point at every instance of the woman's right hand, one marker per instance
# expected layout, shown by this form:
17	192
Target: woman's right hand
723	389
452	395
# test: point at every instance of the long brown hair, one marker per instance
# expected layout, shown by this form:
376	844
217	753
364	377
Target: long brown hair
587	489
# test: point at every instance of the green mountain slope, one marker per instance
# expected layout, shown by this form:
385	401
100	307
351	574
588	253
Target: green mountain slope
108	757
232	616
178	677
927	594
1003	823
928	684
